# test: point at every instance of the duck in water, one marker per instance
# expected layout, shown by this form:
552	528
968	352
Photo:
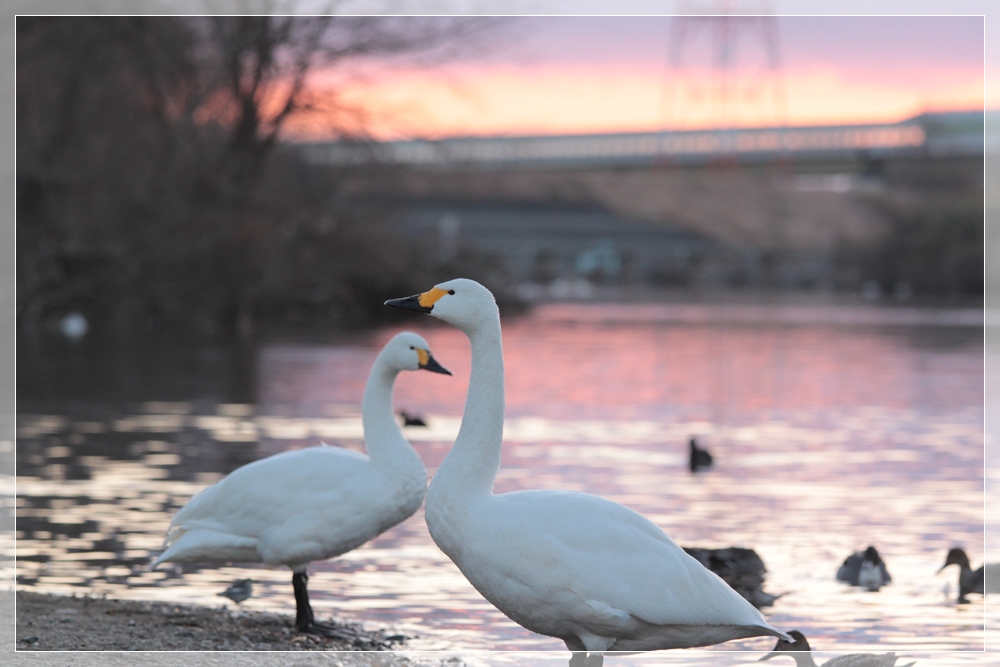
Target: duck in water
698	458
866	569
802	653
969	580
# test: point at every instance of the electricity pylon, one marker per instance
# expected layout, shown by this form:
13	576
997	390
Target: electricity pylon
724	67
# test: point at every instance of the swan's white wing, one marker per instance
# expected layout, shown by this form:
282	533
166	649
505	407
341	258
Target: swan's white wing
267	490
296	506
608	555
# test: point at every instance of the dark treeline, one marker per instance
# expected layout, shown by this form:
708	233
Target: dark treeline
153	193
933	248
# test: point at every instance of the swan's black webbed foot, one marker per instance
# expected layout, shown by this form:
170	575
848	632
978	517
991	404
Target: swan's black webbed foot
359	638
324	630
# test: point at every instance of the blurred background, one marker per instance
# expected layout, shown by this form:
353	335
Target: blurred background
220	177
765	231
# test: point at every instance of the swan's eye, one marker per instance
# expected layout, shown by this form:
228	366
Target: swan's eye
412	348
451	291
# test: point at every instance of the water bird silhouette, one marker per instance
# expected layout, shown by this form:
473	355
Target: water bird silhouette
969	580
739	567
312	504
565	564
698	458
866	569
411	420
240	590
800	650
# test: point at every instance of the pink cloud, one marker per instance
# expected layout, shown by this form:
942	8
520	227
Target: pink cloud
582	75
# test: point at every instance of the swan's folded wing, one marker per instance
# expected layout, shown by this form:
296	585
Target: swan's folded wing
266	493
611	554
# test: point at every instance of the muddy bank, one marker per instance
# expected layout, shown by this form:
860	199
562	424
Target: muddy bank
54	623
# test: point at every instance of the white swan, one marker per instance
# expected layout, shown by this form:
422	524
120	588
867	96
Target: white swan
569	565
316	503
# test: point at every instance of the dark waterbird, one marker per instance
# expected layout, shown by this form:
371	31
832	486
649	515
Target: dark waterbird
240	590
969	580
866	569
739	567
698	458
802	653
411	420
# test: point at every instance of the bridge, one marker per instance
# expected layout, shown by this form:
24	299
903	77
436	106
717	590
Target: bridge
930	135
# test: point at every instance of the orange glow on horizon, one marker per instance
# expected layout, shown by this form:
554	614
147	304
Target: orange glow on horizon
507	100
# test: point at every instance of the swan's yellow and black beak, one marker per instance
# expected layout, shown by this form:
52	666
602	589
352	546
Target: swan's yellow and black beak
422	303
429	363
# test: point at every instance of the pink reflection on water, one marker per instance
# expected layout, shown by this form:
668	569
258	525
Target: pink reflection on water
830	433
619	369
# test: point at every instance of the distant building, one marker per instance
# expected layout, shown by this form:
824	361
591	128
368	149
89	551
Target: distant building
653	210
541	245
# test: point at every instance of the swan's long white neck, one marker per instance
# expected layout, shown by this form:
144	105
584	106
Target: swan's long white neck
471	466
384	440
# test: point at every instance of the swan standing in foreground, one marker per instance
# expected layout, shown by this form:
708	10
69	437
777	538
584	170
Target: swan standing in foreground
569	565
800	650
312	504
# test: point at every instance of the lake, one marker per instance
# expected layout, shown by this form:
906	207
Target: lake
833	427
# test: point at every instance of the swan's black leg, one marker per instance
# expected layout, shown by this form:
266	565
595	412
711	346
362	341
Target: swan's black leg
305	621
304	618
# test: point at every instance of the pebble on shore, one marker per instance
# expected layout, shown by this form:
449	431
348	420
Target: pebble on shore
60	623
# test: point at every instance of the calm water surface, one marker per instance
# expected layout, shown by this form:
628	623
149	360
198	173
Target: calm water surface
832	427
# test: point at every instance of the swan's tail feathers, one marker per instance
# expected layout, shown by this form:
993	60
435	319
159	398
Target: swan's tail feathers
203	545
783	635
159	559
174	533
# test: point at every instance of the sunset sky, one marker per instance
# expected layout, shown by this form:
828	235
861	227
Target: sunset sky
555	75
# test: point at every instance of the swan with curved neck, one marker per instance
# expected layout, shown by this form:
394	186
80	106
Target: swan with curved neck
569	565
312	504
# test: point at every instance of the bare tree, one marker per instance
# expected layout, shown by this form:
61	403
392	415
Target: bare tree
259	71
142	142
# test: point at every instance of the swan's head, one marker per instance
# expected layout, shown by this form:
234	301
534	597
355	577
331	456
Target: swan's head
409	352
461	302
800	644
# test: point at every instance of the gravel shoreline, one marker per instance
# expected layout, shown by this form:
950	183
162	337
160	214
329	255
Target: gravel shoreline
60	623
